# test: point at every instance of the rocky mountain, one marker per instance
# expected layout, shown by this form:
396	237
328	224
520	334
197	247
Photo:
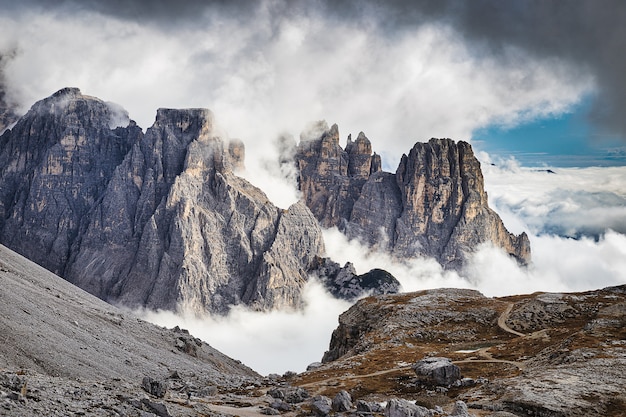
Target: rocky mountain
157	220
433	205
543	354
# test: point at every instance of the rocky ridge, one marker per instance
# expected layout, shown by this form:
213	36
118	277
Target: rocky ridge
543	354
433	205
155	220
64	350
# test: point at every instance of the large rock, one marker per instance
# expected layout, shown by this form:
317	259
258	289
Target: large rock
55	165
433	205
437	371
342	402
403	408
154	220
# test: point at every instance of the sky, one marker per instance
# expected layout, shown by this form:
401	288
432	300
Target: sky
536	86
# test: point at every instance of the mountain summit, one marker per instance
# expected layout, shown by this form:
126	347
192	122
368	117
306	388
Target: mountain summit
433	205
157	219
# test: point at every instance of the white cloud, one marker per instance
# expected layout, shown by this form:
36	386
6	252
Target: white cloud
567	202
271	342
275	73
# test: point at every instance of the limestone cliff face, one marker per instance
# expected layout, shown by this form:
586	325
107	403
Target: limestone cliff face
189	232
156	220
54	166
331	178
434	205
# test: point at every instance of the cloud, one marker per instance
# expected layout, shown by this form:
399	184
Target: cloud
570	202
273	342
274	72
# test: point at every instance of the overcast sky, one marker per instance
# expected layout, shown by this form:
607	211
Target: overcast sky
400	71
516	78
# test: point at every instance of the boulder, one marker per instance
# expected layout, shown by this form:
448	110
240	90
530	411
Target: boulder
342	402
403	408
437	371
368	407
321	405
460	410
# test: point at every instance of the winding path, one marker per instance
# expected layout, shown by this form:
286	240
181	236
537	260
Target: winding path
481	353
503	318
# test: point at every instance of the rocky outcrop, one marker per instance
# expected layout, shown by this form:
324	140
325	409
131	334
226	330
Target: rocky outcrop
157	219
541	354
331	178
434	205
343	282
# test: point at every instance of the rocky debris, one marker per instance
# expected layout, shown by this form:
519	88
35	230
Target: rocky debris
433	205
321	405
291	395
403	408
342	402
437	371
343	282
156	220
54	328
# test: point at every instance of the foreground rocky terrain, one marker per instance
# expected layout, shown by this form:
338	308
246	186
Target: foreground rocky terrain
532	355
434	204
440	352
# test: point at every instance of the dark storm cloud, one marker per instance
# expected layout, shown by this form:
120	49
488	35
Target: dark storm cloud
589	35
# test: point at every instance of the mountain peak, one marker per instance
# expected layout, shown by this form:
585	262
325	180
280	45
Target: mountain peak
67	92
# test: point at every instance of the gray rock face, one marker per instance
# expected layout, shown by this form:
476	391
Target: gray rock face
343	282
54	166
434	205
437	371
156	220
331	178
